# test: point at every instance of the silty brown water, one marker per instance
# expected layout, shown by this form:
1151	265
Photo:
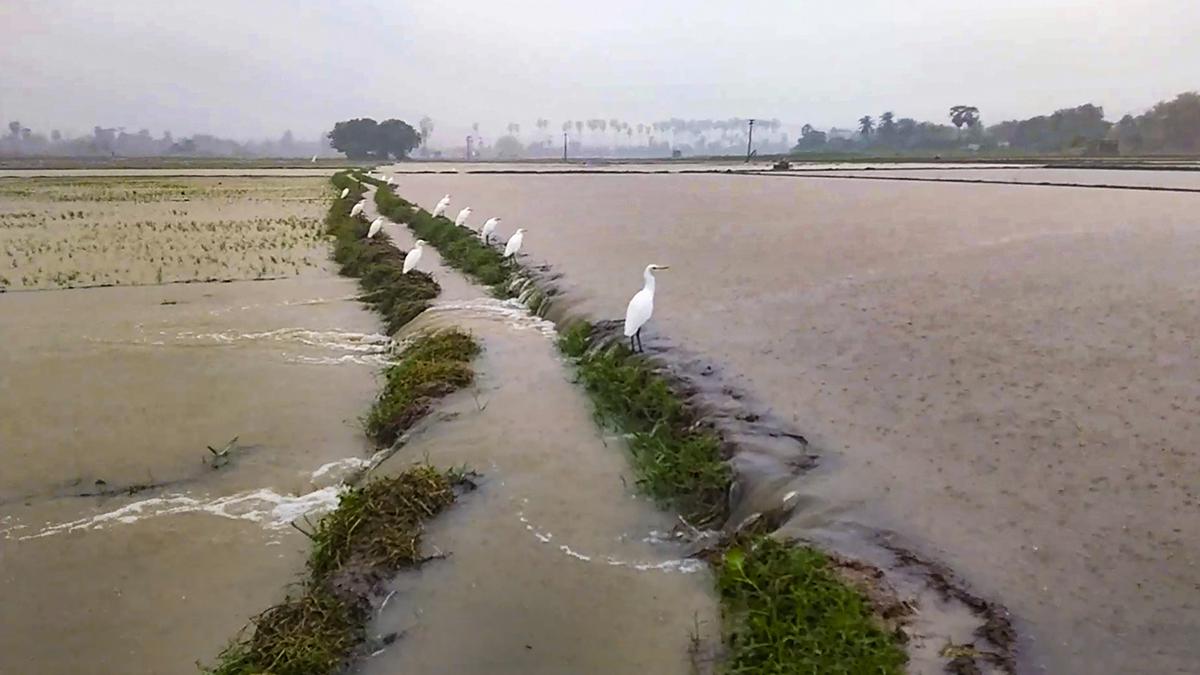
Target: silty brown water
106	389
555	564
1002	374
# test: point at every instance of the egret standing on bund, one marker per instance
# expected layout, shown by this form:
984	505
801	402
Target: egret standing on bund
640	308
441	207
357	209
488	228
414	256
513	246
345	191
376	226
461	220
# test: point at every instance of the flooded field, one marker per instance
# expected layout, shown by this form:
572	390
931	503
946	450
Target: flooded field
122	548
72	232
126	546
1185	180
1001	374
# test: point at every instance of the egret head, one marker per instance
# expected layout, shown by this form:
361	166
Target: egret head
655	268
419	243
520	230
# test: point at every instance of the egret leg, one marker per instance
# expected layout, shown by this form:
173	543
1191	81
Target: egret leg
631	347
638	335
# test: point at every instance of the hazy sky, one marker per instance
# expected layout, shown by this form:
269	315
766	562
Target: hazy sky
253	69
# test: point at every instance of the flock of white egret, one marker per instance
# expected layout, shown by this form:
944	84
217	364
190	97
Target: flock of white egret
637	313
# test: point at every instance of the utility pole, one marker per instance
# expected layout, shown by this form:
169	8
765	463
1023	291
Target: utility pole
564	146
468	148
750	141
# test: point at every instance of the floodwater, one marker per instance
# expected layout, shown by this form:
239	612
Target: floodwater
116	393
122	549
555	564
1137	178
1003	375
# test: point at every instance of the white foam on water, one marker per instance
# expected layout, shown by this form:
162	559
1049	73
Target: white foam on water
514	314
681	566
329	339
338	469
264	506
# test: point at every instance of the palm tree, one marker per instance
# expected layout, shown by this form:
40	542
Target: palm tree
866	125
887	124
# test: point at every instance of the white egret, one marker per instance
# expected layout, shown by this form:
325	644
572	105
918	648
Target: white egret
441	207
461	220
414	256
376	226
513	246
314	159
345	191
640	308
488	228
357	209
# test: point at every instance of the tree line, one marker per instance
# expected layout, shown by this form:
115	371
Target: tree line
1169	127
117	142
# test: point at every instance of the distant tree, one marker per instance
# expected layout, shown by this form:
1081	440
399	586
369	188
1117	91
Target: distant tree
579	127
964	115
508	147
396	138
14	129
865	126
358	138
56	135
887	125
566	125
810	139
364	138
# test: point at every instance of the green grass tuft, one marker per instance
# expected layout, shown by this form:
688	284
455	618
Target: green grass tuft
432	366
675	462
374	533
786	611
377	264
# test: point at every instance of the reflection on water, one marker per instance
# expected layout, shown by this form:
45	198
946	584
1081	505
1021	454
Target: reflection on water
1003	374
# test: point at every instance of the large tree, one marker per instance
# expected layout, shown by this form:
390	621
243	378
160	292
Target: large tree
364	138
397	138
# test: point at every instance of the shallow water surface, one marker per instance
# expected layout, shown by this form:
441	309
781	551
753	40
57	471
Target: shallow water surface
554	564
1002	374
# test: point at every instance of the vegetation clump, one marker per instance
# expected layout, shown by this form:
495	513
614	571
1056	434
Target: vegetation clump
376	263
374	533
430	368
676	460
787	611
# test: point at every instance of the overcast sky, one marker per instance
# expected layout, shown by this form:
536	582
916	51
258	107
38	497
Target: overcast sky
252	69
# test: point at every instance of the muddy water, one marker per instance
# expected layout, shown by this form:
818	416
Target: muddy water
1188	180
555	565
115	393
1004	375
555	559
